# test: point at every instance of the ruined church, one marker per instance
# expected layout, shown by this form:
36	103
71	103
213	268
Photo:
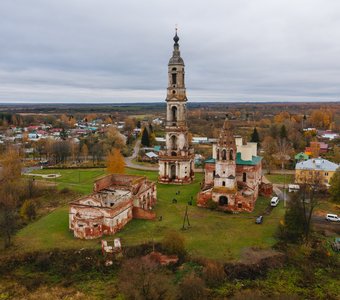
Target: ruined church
233	175
116	199
176	159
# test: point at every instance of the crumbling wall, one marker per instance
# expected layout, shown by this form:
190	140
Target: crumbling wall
139	213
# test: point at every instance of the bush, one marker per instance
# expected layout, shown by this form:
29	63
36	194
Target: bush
212	204
173	243
28	210
192	287
213	273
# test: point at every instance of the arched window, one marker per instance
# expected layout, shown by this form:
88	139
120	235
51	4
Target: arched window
224	154
174	78
244	177
223	183
218	154
231	156
173	142
174	113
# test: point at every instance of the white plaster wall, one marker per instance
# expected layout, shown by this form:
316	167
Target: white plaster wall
253	147
246	152
214	151
238	142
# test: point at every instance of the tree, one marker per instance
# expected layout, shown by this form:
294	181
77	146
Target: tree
115	162
270	147
334	189
293	227
255	136
114	139
129	124
283	132
297	225
192	287
173	243
144	279
145	138
84	151
321	118
9	194
28	210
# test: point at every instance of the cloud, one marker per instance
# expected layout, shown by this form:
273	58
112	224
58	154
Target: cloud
112	51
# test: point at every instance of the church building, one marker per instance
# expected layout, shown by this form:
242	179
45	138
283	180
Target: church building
233	175
176	160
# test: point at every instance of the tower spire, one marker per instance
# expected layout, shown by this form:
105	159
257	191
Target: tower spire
176	38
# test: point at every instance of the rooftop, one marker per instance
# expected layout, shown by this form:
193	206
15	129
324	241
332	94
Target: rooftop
317	164
255	160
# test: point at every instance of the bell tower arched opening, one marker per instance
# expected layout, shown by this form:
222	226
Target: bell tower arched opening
174	114
231	154
173	142
224	154
173	172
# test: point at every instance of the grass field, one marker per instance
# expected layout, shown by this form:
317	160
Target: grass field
280	179
212	234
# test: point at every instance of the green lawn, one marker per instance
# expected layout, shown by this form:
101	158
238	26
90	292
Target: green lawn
280	179
212	234
80	180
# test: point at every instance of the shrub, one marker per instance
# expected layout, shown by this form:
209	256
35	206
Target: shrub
173	243
213	273
212	204
28	210
192	287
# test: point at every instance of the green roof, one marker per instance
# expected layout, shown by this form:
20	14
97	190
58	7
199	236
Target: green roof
255	160
301	155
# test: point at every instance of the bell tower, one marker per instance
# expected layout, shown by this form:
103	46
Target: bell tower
226	159
176	160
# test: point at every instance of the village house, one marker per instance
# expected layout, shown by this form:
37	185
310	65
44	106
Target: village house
315	168
115	200
233	175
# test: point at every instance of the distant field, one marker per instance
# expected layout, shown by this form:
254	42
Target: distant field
212	234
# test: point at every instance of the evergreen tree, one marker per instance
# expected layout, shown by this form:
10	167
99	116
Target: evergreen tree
145	138
255	136
139	124
334	189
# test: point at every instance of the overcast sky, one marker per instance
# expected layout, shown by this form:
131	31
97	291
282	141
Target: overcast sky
118	50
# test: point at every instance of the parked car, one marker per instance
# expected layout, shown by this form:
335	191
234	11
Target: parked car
259	220
332	218
275	201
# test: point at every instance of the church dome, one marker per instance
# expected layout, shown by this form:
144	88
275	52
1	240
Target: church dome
176	60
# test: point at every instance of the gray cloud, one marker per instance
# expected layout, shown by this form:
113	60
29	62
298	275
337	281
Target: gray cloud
111	51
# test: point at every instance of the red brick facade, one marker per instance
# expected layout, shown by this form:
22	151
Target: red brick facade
116	200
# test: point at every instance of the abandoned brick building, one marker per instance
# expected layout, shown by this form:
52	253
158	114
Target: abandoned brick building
233	175
115	200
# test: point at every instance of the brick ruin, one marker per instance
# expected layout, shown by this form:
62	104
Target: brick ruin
115	200
233	175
